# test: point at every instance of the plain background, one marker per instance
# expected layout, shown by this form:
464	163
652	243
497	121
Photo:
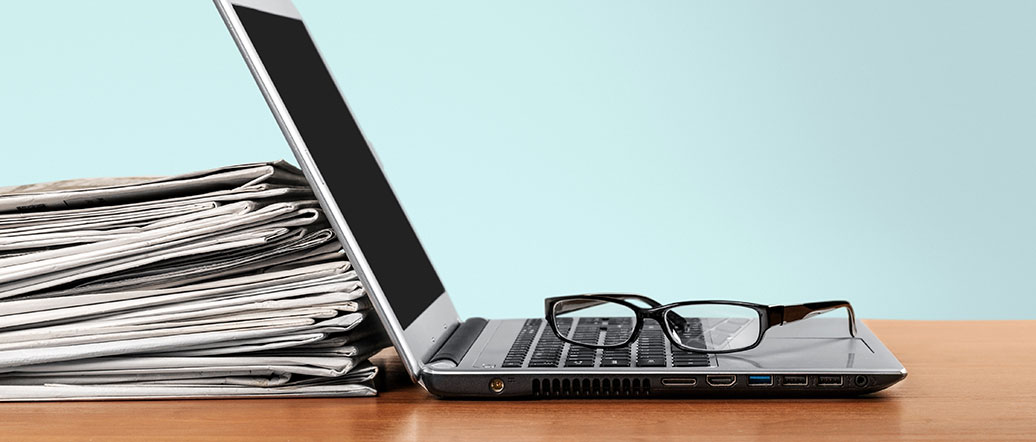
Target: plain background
779	152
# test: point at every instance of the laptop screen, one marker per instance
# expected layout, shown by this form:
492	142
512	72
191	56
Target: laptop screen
348	166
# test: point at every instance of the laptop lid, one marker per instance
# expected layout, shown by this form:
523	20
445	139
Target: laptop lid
345	175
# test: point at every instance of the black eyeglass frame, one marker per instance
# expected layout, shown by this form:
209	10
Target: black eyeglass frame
769	316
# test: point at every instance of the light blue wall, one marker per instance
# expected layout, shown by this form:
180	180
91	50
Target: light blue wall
882	151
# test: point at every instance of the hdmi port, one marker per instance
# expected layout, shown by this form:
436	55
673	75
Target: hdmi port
679	382
720	380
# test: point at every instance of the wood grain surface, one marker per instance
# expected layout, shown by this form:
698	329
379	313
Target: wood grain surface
967	380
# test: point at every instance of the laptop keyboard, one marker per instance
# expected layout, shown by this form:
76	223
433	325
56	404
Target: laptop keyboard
538	347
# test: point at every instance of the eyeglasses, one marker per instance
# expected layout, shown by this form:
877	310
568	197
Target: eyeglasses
612	320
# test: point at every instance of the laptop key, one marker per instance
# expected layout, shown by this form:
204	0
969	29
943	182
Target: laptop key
615	362
651	362
691	363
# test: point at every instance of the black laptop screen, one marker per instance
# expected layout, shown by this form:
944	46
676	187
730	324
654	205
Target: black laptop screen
346	162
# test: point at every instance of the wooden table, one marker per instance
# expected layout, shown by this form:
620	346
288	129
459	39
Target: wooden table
968	380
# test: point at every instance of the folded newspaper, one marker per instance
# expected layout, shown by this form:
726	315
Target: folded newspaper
220	283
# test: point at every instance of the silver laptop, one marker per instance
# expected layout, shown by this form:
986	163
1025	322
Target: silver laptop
509	357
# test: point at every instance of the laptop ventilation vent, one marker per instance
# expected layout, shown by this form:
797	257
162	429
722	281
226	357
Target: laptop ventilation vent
583	387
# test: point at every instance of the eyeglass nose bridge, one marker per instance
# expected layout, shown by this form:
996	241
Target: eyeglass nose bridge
659	315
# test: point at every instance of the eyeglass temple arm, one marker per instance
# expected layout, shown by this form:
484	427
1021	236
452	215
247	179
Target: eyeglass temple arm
792	313
574	303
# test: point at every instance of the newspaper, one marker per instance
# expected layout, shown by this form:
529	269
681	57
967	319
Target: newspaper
73	194
226	384
221	283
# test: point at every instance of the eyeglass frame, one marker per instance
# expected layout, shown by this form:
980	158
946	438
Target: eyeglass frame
769	316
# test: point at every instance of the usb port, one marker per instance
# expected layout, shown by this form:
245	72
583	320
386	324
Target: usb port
720	380
794	380
760	380
829	381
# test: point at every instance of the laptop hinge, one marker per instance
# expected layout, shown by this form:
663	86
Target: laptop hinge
458	344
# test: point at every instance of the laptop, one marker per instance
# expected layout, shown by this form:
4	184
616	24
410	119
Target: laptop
506	358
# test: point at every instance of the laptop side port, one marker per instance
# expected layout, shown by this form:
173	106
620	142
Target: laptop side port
679	382
760	380
794	380
721	380
829	381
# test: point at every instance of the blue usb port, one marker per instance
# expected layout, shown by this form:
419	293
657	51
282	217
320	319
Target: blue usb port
760	380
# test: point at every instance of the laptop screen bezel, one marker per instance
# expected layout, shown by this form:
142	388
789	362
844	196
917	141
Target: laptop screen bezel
418	341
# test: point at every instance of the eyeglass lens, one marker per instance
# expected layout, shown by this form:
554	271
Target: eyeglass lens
596	322
712	327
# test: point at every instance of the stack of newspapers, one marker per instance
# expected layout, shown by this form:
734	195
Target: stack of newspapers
221	283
